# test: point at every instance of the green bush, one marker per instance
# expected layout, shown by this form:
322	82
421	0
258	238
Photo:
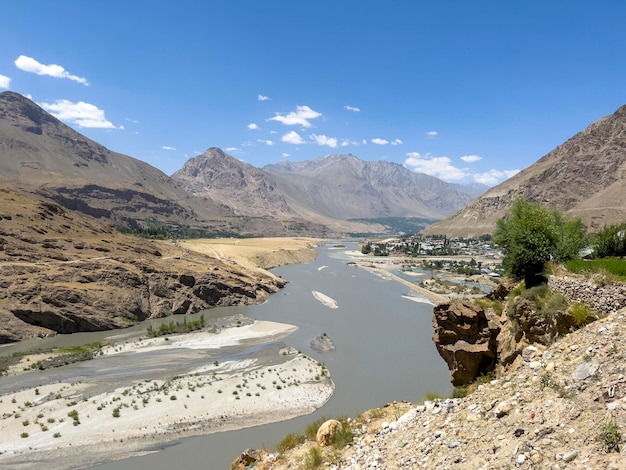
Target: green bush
610	435
311	430
290	441
459	392
343	436
313	458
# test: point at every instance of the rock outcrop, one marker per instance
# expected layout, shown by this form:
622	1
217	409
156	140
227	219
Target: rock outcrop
465	337
474	340
322	344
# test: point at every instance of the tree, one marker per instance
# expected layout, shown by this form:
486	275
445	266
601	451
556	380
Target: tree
531	235
610	241
572	237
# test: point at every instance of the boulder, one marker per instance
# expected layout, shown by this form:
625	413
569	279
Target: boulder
327	431
245	459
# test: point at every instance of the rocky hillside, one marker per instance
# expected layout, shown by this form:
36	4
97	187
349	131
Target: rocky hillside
244	188
63	272
584	177
557	406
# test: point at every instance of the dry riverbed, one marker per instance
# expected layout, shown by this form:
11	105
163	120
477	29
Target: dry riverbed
71	425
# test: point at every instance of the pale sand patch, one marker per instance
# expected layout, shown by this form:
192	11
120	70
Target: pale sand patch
253	253
413	274
435	298
417	299
260	331
130	419
325	300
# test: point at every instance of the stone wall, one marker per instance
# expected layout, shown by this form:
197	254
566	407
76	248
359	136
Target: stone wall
605	299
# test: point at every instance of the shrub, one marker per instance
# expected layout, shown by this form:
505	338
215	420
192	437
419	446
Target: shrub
610	435
343	436
311	430
459	392
290	441
580	312
313	458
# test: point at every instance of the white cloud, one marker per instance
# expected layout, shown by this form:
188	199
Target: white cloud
324	140
397	142
263	98
379	141
300	116
493	177
82	114
252	126
266	142
352	108
5	82
286	155
231	149
292	138
28	64
432	134
441	167
471	158
167	147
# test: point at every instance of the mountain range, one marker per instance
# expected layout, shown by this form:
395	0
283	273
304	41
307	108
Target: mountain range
584	177
341	192
214	193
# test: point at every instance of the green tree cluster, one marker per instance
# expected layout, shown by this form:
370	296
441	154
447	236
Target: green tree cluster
532	235
610	241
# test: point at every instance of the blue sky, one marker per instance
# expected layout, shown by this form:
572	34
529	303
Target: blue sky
465	91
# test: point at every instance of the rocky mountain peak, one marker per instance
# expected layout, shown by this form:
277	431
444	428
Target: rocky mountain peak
21	112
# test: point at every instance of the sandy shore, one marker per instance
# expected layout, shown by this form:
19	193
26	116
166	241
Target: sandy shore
70	428
384	273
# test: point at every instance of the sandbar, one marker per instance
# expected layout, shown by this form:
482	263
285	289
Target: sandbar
325	300
66	426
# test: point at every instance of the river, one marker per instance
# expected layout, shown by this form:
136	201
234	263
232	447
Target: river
384	352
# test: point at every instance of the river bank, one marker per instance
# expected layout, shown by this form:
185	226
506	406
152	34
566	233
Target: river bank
74	424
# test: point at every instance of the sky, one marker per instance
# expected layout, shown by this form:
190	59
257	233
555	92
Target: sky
469	92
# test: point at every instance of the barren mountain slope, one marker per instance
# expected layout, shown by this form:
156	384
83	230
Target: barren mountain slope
345	187
585	176
40	154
